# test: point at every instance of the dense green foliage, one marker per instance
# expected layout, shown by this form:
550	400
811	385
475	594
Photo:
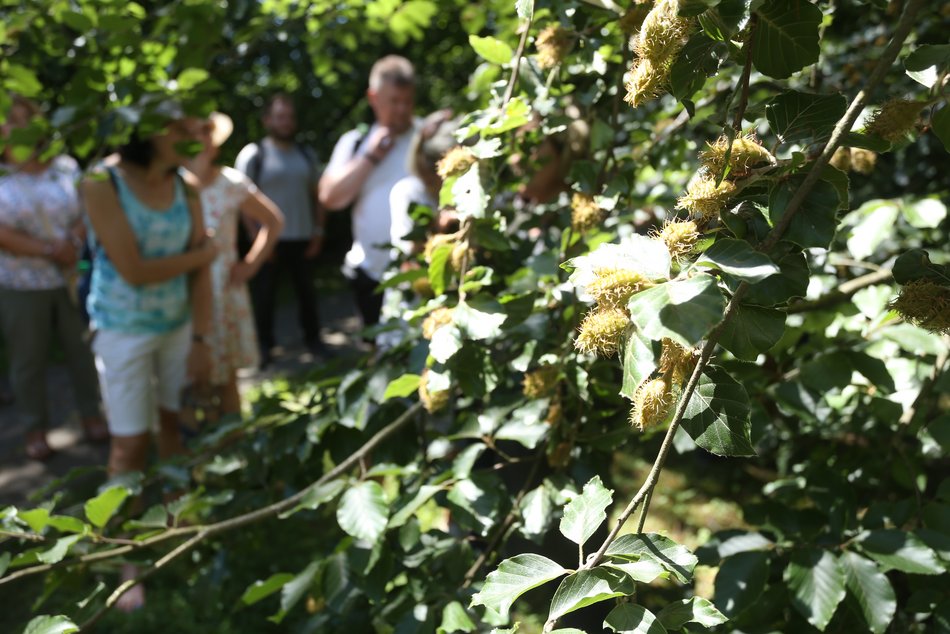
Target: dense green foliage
802	395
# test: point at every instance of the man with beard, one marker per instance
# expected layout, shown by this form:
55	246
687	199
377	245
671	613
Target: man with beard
362	172
286	172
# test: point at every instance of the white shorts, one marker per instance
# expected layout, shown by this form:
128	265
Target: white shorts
138	374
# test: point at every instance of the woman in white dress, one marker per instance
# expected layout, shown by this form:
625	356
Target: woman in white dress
226	194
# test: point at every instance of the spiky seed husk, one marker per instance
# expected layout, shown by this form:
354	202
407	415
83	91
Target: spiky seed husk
585	213
553	44
863	161
663	33
613	287
645	81
422	286
435	320
652	403
460	253
680	236
841	159
455	162
746	153
434	242
601	331
926	304
541	382
676	361
704	199
894	119
632	20
433	402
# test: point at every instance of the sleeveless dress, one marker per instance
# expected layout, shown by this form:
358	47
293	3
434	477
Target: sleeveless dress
233	337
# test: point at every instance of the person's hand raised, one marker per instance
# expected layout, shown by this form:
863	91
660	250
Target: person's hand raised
379	143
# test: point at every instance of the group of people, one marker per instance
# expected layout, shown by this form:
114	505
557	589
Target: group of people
169	303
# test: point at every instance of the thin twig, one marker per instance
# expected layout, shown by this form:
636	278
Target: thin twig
842	293
644	511
516	68
746	74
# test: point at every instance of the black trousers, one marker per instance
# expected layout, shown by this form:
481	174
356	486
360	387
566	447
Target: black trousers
368	301
288	260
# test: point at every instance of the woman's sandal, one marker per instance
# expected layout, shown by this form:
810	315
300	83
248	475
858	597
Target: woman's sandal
37	448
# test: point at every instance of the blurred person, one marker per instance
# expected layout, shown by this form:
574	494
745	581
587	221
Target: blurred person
362	171
226	194
150	297
41	237
286	173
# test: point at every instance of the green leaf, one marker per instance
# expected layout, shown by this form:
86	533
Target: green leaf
717	416
514	577
455	619
490	49
100	509
900	550
643	571
22	81
926	213
675	615
316	496
940	124
363	511
425	493
739	259
872	590
628	618
792	281
800	116
402	387
683	310
692	66
439	270
264	588
525	9
59	549
786	37
294	589
815	222
586	587
37	519
639	361
752	331
740	581
4	563
675	558
471	199
479	319
536	508
874	223
817	583
923	57
51	625
446	342
586	512
191	77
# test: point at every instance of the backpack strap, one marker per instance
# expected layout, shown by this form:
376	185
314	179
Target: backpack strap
256	164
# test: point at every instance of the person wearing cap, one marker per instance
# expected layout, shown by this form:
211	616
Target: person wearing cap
287	173
362	172
226	194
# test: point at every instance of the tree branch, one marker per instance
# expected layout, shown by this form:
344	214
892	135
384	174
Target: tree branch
842	293
516	68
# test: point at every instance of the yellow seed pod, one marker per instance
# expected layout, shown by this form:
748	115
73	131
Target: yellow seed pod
841	159
746	153
652	404
926	304
644	82
455	162
704	199
863	161
632	20
601	331
541	382
894	119
680	236
663	33
613	287
433	402
434	242
460	253
436	319
676	361
553	44
585	213
422	287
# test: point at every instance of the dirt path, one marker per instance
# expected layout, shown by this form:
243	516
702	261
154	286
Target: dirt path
20	476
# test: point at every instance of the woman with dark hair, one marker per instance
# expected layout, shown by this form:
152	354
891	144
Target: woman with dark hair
41	235
150	296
